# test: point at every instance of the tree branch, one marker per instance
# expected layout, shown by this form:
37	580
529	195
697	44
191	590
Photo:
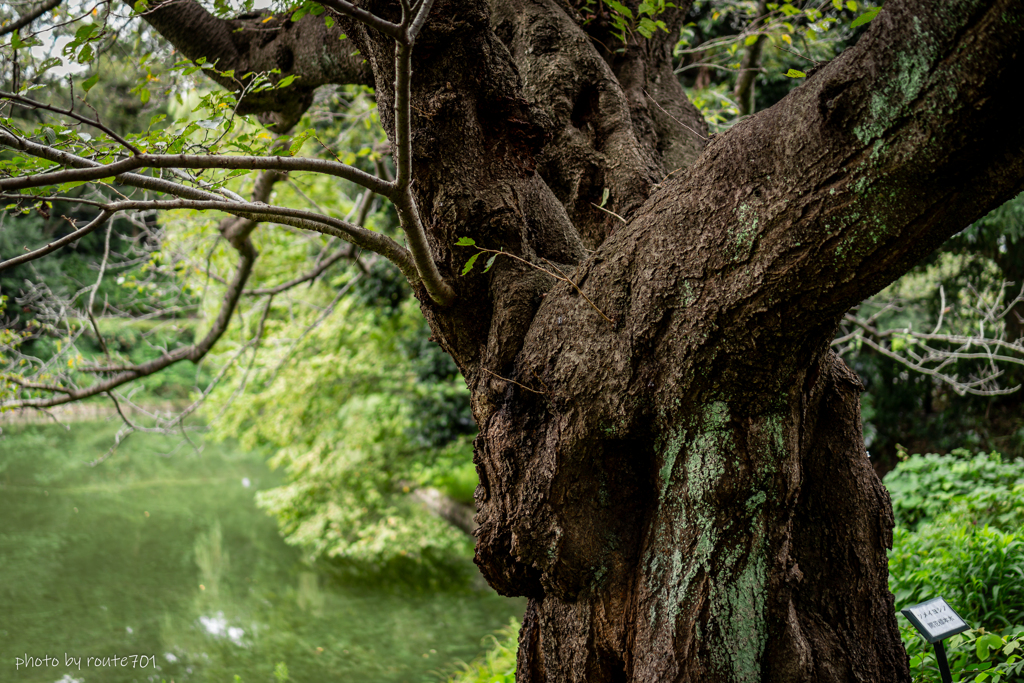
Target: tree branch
192	198
140	160
57	244
258	43
194	353
395	31
408	212
29	103
29	17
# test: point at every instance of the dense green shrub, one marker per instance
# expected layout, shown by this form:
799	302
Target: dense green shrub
960	534
978	569
972	656
923	486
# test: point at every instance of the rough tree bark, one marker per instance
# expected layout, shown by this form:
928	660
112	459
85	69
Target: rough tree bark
683	493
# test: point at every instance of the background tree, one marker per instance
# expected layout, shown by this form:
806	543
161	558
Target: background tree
670	454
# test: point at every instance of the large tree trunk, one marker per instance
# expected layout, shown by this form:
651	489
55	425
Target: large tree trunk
674	473
734	540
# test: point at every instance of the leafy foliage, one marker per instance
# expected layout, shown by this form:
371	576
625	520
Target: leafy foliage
974	655
981	486
779	42
960	534
357	427
498	664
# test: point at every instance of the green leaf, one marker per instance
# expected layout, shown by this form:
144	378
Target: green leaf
793	73
141	6
286	81
49	64
469	264
866	17
619	8
83	32
851	5
299	140
750	40
604	197
299	13
987	642
490	262
329	22
465	242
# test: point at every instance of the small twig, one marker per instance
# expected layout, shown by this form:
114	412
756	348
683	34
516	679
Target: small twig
608	211
57	244
537	377
562	277
674	118
812	61
506	379
92	294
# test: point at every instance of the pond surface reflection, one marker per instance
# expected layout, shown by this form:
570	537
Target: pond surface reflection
168	559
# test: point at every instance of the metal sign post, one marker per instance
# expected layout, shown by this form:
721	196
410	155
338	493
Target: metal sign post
935	621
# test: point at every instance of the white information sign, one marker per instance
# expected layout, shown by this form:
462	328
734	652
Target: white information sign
935	619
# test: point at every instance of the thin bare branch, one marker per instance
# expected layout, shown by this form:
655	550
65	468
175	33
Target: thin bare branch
95	287
29	17
368	18
57	244
276	163
29	103
958	386
194	352
416	237
421	19
311	275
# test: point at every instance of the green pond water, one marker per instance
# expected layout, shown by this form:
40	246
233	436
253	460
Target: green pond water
167	559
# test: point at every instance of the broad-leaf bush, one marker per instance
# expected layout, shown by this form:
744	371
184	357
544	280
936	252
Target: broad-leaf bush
924	486
974	655
977	569
960	534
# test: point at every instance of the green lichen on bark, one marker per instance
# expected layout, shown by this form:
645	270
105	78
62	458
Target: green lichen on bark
703	556
738	611
686	294
743	233
704	468
910	75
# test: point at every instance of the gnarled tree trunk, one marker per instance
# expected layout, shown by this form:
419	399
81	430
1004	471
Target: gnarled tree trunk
671	466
